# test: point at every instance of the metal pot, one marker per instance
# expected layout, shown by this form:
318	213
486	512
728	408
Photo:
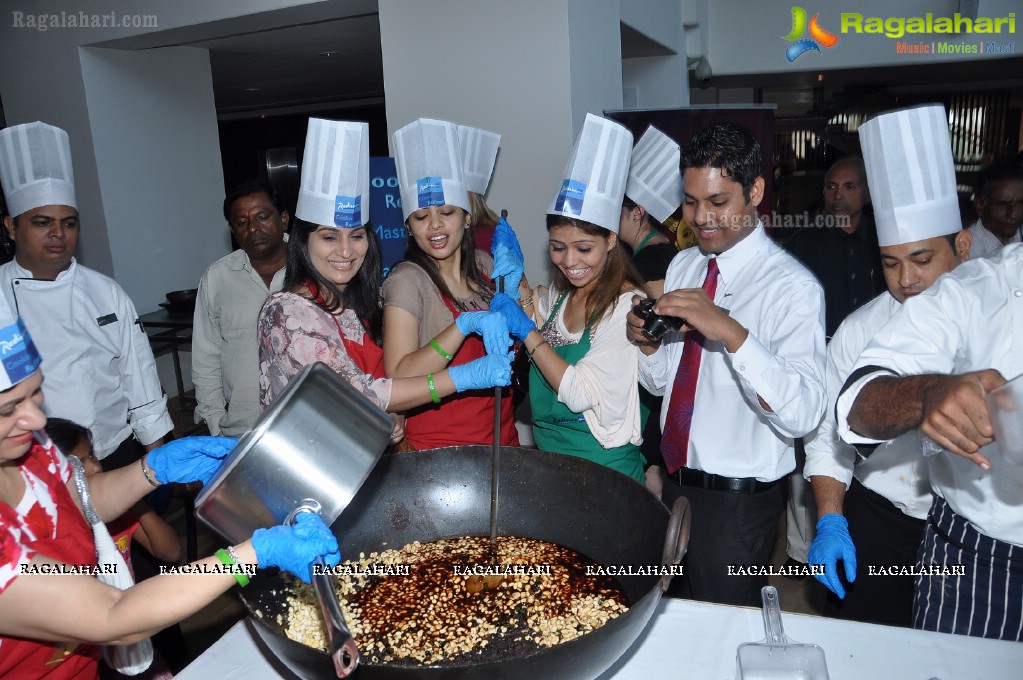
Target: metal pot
309	452
318	440
445	493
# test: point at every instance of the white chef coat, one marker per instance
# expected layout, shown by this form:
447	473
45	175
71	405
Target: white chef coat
782	360
225	365
971	319
986	244
97	362
895	470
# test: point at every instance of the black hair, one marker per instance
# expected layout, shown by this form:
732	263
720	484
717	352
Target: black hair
999	171
67	435
618	271
254	186
476	280
727	146
361	295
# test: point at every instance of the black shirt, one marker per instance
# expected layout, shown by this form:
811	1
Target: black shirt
847	265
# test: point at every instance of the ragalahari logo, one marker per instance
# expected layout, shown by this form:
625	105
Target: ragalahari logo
818	36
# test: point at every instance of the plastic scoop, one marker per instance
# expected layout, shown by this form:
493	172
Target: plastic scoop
778	657
1005	406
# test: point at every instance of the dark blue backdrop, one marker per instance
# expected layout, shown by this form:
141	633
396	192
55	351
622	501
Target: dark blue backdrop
385	210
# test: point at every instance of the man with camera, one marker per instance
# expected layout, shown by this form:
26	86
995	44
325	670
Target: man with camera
743	373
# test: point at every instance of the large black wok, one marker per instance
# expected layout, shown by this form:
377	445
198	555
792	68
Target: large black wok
445	493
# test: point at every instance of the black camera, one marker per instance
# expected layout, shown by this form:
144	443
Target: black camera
654	325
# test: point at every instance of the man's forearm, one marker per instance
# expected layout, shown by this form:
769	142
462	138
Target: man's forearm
829	493
888	406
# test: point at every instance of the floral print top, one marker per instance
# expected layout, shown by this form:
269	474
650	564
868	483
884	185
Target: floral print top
294	332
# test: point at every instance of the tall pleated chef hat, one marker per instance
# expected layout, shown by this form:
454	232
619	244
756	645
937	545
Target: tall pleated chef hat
911	174
19	357
479	154
335	174
35	167
655	181
429	163
593	183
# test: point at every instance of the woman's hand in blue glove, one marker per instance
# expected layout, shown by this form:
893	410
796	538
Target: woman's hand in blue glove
295	548
490	325
189	459
833	543
519	325
493	370
508	260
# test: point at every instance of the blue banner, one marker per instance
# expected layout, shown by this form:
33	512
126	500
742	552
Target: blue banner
385	210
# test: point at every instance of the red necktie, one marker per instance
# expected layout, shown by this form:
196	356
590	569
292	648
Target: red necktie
675	438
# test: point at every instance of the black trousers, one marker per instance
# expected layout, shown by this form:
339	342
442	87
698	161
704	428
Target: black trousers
728	530
885	537
128	452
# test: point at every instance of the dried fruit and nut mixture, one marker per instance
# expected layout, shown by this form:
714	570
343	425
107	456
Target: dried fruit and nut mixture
435	615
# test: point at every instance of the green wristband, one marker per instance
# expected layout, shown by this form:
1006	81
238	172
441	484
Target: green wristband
238	574
440	350
433	388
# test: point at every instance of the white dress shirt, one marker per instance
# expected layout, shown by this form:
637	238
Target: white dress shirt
895	470
98	364
602	385
781	304
986	244
225	366
970	320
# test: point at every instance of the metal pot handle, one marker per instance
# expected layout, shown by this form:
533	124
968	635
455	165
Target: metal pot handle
676	540
343	651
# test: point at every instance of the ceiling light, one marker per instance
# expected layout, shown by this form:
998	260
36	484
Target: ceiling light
820	77
252	89
327	54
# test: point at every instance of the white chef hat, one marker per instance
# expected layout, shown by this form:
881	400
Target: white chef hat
35	167
19	357
335	174
429	164
655	181
479	153
911	174
593	183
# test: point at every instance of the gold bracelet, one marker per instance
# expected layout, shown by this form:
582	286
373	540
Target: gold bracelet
145	471
528	302
536	347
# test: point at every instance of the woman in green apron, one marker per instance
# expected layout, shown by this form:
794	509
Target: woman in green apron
583	386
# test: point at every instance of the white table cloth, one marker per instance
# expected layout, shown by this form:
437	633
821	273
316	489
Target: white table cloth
698	641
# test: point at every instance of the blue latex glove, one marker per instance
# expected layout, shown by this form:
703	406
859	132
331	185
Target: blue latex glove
493	370
519	325
833	543
508	259
490	325
189	459
295	548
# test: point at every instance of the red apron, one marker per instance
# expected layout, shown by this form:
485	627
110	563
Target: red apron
70	542
367	356
466	418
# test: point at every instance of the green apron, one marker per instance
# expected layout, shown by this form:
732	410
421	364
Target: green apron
560	430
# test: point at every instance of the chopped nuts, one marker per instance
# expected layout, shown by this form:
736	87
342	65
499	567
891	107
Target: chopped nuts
431	616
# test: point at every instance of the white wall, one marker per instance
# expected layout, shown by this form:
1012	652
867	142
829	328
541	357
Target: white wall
659	81
746	37
157	151
512	77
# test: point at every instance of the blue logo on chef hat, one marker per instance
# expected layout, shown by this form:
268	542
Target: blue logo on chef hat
570	198
18	354
430	191
348	211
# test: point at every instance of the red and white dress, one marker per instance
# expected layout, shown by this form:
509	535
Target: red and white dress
45	522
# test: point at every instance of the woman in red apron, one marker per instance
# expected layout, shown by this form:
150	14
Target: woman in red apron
51	623
438	297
